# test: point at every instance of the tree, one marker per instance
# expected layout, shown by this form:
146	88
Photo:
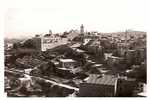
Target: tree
29	44
16	45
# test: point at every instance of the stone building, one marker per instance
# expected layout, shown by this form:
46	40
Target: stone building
67	63
107	86
98	86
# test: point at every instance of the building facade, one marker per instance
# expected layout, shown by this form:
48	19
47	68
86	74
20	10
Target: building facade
98	86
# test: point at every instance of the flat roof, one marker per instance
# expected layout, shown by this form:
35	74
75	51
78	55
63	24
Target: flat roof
91	61
103	80
114	57
64	68
79	50
131	50
67	60
98	65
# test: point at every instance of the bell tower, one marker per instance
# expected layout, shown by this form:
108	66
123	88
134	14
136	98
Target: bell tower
82	29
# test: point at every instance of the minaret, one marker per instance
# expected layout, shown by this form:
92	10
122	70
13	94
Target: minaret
82	29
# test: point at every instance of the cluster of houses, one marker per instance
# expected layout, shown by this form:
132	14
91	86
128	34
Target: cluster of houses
103	54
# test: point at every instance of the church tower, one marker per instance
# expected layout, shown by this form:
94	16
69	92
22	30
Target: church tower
82	29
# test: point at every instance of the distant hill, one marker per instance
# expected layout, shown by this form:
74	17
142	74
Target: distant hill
14	40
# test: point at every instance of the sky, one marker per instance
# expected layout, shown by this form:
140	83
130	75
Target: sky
63	15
